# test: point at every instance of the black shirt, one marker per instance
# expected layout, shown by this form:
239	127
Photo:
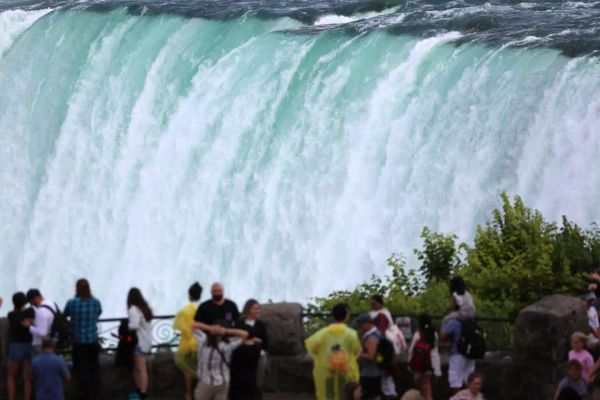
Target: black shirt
18	332
259	330
209	312
244	364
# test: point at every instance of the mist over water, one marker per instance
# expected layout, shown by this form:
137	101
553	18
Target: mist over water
286	158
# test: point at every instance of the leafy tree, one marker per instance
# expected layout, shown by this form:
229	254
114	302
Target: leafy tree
439	257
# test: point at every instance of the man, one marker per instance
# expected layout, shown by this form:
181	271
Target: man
334	350
459	366
218	308
84	311
370	374
48	371
44	316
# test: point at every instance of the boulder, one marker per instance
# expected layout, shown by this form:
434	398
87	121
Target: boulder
284	327
543	329
289	374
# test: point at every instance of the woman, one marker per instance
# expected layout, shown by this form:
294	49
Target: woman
19	348
214	358
186	357
84	311
424	356
140	315
249	360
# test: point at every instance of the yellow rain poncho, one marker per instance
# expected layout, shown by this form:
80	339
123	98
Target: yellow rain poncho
334	350
187	353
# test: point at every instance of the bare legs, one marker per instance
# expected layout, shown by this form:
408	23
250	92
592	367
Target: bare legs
12	370
140	373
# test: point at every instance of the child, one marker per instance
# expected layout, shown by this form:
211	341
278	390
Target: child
48	372
579	353
573	381
473	390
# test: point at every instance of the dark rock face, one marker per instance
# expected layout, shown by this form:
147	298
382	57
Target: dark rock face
284	327
291	374
543	329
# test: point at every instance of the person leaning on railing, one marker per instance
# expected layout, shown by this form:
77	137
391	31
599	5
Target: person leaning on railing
186	357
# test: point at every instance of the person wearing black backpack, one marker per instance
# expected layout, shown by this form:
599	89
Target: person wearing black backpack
459	365
83	312
45	310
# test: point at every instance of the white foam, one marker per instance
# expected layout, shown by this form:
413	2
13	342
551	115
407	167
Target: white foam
13	23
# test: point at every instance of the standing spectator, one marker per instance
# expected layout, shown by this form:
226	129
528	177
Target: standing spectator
48	372
186	357
459	366
473	390
370	374
44	316
244	368
462	305
19	348
83	312
334	350
140	315
382	318
214	358
258	332
593	323
218	308
424	356
573	382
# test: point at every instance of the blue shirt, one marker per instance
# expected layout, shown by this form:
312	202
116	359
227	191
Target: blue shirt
48	372
84	314
453	328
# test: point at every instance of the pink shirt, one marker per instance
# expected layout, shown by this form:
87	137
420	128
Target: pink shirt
585	359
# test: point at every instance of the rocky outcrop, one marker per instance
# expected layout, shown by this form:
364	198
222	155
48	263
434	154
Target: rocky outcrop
284	327
543	329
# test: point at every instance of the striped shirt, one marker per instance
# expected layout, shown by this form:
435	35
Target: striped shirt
84	314
213	363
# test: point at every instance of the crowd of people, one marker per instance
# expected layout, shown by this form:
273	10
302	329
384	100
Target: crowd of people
582	368
221	352
351	364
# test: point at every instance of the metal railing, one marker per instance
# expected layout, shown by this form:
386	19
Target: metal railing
499	332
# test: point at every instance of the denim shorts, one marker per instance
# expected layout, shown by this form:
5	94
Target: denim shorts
139	352
19	352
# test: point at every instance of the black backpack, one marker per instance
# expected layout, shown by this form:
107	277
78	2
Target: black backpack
472	342
60	330
126	346
385	352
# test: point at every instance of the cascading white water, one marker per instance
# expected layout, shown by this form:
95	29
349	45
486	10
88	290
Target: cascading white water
155	151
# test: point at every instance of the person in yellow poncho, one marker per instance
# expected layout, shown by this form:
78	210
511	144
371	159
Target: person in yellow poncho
335	350
186	357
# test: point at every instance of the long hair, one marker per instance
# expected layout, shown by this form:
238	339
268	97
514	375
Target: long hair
427	329
248	306
348	390
457	284
135	298
82	289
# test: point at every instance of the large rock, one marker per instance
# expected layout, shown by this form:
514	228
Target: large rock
291	374
543	329
284	327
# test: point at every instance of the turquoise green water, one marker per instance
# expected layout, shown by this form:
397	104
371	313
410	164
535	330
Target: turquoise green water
154	151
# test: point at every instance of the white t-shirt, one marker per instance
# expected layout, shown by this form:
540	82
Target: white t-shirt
593	318
43	322
143	329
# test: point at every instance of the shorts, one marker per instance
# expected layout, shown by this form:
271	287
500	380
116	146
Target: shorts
592	343
371	387
187	361
459	369
19	352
